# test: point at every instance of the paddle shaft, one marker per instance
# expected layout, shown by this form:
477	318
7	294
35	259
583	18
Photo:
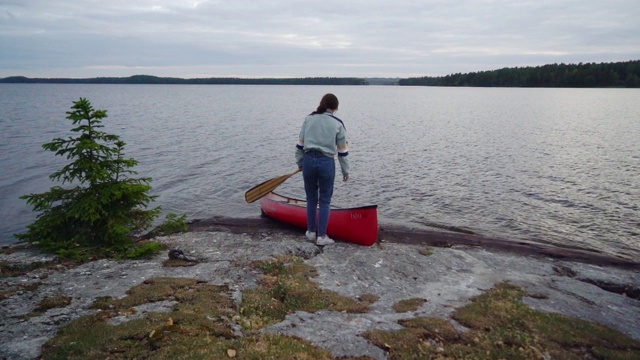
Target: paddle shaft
266	187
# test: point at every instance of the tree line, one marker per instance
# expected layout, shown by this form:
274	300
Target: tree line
619	74
149	79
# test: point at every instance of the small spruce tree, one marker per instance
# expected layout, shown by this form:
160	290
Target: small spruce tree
102	208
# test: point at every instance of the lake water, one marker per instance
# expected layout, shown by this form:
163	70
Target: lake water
558	166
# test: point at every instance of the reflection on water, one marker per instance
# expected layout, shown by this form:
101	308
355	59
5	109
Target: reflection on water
550	165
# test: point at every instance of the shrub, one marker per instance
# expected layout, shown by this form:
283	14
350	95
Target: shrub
102	206
172	224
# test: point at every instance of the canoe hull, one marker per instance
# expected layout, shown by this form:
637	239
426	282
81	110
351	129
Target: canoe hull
356	225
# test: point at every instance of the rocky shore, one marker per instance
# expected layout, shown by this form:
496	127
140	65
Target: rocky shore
583	285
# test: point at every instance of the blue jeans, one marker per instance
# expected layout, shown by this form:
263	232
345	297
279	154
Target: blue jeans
319	173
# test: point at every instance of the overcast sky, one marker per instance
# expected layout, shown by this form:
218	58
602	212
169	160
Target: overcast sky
296	38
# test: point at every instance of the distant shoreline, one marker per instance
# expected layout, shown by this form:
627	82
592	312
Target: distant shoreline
154	80
625	74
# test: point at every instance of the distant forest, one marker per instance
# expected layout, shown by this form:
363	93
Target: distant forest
148	79
619	74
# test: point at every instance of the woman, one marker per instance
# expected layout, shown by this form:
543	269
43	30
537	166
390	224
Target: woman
322	137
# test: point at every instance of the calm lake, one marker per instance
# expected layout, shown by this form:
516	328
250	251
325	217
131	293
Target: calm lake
558	166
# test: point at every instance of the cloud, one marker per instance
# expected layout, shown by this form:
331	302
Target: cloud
291	38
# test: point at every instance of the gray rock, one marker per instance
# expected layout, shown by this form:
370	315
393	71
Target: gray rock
447	279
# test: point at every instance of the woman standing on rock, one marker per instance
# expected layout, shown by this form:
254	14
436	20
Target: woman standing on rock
322	137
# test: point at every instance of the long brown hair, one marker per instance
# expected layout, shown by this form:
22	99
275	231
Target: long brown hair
328	101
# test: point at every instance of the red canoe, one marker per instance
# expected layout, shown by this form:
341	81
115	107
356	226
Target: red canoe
357	225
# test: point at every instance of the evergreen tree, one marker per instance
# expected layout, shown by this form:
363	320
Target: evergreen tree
102	207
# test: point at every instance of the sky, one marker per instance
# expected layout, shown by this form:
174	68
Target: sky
295	38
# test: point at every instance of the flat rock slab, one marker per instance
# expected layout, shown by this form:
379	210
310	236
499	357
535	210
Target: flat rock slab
447	279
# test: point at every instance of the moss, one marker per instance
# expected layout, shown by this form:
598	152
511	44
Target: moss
8	269
178	263
51	302
8	291
368	298
502	327
201	325
11	269
409	304
286	288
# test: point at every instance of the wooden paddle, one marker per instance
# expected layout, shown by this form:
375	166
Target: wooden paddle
266	187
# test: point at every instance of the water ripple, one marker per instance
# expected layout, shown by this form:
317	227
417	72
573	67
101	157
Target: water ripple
557	166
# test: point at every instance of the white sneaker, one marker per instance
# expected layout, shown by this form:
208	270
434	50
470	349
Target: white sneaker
311	236
324	240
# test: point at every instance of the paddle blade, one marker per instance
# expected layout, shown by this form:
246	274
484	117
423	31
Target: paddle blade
266	187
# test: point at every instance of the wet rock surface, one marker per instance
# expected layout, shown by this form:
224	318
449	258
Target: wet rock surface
391	270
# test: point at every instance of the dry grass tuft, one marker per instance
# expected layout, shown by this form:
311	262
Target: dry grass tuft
407	305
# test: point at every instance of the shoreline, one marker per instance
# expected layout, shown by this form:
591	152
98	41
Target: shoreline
435	238
438	237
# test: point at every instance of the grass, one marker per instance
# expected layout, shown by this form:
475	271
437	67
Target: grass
205	323
502	327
